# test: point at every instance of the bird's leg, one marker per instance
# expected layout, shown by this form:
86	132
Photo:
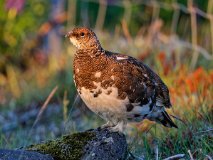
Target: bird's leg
119	127
108	124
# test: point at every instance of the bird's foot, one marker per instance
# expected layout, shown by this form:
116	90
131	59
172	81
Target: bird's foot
107	125
118	128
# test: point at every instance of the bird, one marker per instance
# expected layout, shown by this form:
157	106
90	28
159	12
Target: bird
117	87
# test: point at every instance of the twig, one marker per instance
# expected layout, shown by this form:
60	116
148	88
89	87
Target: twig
77	101
44	106
101	14
178	119
211	26
155	12
190	154
127	11
65	106
39	114
126	31
150	128
175	18
194	32
175	157
209	11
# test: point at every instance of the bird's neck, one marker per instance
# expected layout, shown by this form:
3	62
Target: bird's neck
92	57
90	52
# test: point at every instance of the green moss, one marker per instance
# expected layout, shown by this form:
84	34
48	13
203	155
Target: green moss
68	147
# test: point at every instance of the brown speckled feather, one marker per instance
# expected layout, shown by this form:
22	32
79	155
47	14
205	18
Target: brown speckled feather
144	73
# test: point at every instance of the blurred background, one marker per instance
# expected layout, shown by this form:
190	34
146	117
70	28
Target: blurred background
37	96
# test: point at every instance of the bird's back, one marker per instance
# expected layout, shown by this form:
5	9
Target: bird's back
144	73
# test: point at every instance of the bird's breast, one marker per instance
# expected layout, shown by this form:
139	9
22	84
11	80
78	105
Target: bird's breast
104	101
97	88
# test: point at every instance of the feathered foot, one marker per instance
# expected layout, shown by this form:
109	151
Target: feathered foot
119	127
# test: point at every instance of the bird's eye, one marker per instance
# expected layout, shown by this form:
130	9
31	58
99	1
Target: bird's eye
82	34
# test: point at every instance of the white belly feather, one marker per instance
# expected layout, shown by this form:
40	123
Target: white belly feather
108	106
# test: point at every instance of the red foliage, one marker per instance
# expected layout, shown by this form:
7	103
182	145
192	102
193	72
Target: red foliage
198	78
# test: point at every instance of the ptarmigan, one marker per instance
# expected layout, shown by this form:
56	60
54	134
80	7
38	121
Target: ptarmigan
117	87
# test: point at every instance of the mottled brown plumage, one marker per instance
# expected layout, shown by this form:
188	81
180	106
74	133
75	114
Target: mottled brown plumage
117	87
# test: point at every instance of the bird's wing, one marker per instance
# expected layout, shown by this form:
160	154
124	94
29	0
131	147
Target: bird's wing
162	92
145	83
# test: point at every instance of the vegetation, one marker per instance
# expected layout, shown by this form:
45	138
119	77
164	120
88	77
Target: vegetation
67	148
29	72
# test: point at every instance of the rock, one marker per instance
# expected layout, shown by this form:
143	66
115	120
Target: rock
6	154
106	145
98	144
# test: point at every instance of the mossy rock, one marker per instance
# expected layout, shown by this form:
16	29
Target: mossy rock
93	144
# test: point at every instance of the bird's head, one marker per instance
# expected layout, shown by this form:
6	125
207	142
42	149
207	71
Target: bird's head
83	38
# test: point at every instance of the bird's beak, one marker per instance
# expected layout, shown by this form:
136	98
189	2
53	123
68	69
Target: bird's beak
68	35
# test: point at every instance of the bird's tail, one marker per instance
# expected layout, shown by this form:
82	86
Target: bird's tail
165	120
